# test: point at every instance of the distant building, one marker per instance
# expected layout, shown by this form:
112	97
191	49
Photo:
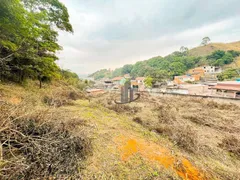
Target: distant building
108	83
212	69
127	76
176	90
140	79
199	71
138	83
116	80
227	89
192	89
186	78
205	70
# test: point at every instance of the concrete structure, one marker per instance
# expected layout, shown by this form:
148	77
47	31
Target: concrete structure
227	89
199	70
205	70
108	84
192	89
212	69
186	78
177	90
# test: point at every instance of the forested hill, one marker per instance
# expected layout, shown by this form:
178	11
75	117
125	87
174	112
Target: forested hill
177	63
28	40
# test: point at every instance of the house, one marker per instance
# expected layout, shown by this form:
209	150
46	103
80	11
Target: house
108	83
116	80
199	71
134	84
227	89
140	80
212	69
186	78
205	73
138	83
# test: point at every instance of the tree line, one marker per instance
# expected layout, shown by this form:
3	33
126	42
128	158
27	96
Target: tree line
28	39
165	68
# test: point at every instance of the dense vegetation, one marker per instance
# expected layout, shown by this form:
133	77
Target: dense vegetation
220	58
163	68
28	39
229	74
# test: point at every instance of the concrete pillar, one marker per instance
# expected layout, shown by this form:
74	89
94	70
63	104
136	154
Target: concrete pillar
122	94
126	93
234	94
131	94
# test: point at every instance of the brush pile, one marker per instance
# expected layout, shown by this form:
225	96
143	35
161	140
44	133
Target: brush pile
32	146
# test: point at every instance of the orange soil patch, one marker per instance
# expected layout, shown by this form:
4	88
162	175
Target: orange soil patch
153	152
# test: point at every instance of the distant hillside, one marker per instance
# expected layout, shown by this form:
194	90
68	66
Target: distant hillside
208	49
178	63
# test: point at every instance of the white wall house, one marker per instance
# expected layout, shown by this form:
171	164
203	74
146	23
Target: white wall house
212	69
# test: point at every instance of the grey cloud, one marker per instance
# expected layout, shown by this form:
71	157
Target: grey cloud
109	34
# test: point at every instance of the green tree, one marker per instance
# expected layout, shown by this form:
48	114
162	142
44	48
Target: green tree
28	38
126	69
148	81
228	74
205	41
184	50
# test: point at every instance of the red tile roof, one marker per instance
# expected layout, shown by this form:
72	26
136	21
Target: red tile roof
117	78
234	86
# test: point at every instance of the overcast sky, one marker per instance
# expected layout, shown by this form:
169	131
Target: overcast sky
111	33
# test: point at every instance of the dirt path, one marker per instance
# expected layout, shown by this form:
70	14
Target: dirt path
123	149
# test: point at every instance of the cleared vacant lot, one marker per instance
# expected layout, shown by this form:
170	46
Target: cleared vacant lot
205	131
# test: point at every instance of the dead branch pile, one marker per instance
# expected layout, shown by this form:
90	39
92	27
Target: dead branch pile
61	98
32	149
232	145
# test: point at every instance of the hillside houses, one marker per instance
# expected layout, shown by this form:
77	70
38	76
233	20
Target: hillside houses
204	73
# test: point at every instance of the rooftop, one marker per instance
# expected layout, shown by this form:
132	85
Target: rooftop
228	85
140	78
117	78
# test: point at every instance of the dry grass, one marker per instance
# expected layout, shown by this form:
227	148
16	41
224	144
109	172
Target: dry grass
199	127
39	141
232	145
199	130
208	49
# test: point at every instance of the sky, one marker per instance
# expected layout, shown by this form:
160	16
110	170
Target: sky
111	33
